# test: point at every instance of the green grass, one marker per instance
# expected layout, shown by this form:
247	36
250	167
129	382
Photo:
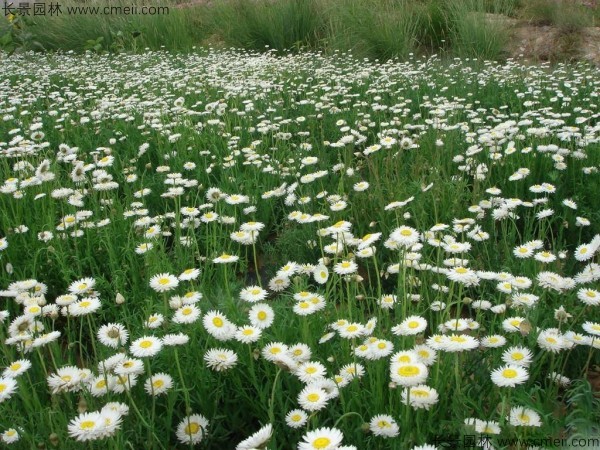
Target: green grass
381	30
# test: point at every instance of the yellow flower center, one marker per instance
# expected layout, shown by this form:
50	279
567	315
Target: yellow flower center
158	383
192	428
406	232
15	366
311	370
419	393
509	373
518	356
321	442
163	281
217	322
413	324
87	424
408	371
262	315
461	270
146	344
314	397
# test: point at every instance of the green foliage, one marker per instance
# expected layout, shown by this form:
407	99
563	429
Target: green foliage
474	34
569	17
280	25
180	30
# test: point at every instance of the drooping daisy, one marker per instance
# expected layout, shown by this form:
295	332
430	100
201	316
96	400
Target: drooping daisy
257	440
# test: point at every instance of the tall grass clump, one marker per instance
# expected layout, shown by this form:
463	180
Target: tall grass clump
386	30
180	29
568	17
280	25
474	34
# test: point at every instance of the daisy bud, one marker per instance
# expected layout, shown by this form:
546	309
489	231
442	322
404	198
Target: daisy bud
372	224
9	268
175	303
331	359
358	279
82	406
53	438
41	300
326	261
360	298
392	385
149	166
119	300
365	428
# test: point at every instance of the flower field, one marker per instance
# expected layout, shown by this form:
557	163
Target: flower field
229	250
